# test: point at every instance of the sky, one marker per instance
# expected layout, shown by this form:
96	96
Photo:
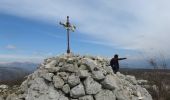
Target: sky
136	29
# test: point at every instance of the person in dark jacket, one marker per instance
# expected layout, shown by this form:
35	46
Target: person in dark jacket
114	62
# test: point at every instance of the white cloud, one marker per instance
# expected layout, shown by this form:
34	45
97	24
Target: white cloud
128	24
10	47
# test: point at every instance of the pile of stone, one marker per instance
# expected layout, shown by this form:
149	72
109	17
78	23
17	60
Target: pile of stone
3	91
3	87
78	77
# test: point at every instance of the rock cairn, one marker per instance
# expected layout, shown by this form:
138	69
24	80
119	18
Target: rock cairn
78	78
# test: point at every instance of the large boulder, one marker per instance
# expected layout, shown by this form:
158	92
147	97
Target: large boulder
110	82
73	80
105	95
58	82
91	86
77	91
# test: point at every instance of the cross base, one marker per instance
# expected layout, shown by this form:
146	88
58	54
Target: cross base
68	51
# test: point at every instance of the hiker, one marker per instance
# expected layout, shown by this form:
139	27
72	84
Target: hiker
114	62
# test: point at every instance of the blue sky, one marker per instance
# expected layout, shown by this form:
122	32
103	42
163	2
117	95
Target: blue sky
30	30
29	40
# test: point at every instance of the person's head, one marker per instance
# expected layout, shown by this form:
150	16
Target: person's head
116	56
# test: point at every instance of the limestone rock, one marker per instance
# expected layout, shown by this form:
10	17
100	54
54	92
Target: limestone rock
110	82
131	79
39	90
3	86
1	98
98	75
58	82
91	65
63	75
66	89
87	97
121	76
83	73
62	97
69	68
73	80
51	64
12	97
77	91
48	76
122	95
91	86
105	95
142	82
83	67
53	69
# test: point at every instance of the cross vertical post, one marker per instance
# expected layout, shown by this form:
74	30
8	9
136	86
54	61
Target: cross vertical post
68	36
68	27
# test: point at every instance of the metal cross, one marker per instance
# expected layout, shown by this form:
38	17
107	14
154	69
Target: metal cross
68	27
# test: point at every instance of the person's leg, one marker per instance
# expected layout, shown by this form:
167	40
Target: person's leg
116	69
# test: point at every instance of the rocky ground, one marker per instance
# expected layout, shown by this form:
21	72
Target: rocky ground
76	77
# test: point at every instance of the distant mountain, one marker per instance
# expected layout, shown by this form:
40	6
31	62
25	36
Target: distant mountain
16	70
142	64
23	65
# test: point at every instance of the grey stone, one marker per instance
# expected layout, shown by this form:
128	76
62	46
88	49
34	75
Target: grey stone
73	80
48	76
66	89
110	82
61	64
91	86
69	68
63	75
51	64
62	97
12	97
87	97
91	65
121	76
143	93
1	98
53	94
131	79
107	70
142	82
122	95
53	69
38	90
105	95
83	67
70	60
37	73
83	73
3	86
77	91
58	82
38	84
98	75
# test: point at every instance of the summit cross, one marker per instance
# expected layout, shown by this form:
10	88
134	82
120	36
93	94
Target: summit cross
68	27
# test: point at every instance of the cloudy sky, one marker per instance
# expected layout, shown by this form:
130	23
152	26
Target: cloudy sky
30	30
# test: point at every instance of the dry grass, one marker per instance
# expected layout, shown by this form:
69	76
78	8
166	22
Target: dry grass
156	77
